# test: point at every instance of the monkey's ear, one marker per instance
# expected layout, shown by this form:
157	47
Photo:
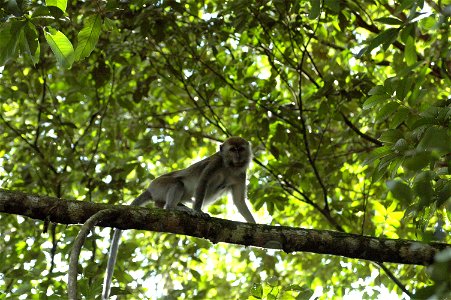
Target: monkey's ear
220	147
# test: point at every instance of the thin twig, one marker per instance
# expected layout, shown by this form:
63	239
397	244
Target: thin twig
363	135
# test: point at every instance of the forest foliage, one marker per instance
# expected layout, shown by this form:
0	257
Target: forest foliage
346	103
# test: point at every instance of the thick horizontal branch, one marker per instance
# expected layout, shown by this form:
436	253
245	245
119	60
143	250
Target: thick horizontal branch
216	230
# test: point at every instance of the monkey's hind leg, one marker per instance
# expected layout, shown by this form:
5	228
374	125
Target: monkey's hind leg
174	195
174	198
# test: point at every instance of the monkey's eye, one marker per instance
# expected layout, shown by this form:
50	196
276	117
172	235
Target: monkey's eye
238	149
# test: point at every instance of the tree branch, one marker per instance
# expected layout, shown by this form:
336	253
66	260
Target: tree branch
288	239
361	134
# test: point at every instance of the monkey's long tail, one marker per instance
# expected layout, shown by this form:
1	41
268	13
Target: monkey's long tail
141	200
111	262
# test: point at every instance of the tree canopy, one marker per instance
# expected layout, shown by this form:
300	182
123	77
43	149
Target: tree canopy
346	103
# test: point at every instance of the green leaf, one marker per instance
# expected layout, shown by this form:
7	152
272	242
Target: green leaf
88	37
401	145
377	153
444	193
257	290
109	24
274	151
400	191
316	9
119	291
410	51
381	151
125	103
395	165
391	136
388	109
408	30
61	47
61	4
9	38
417	161
390	21
423	188
378	90
404	87
378	173
56	12
385	38
386	161
429	22
390	84
270	207
333	5
195	274
29	42
405	4
400	116
436	138
374	100
379	208
41	11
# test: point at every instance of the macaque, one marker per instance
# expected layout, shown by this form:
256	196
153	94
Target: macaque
205	181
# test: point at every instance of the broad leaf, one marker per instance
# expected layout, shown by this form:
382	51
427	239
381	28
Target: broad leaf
375	100
410	52
400	190
88	37
61	4
61	47
9	38
315	10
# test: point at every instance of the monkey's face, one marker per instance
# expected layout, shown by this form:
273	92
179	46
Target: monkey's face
236	152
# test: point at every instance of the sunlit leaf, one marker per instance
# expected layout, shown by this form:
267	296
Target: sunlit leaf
61	4
61	47
257	291
410	52
385	39
88	36
380	208
392	207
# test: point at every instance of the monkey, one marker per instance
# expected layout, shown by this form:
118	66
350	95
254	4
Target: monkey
205	181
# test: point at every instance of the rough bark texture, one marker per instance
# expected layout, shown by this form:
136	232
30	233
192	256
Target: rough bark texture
216	230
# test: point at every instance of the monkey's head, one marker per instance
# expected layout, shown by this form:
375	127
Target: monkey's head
236	152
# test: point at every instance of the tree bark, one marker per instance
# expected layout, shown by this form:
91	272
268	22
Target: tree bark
288	239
